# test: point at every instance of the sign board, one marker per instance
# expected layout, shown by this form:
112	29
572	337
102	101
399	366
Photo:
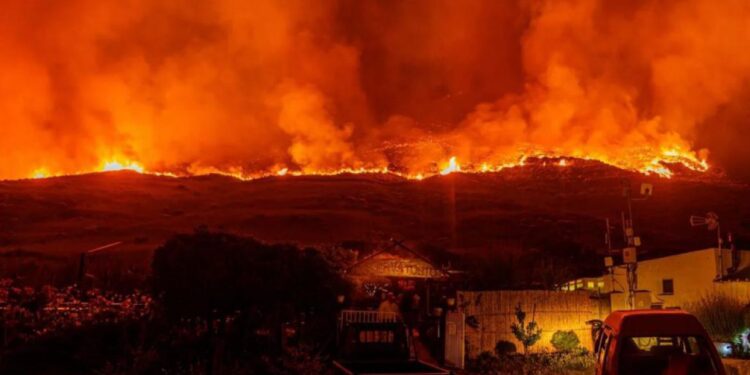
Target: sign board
397	267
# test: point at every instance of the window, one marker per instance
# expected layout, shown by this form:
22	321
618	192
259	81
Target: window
667	286
658	355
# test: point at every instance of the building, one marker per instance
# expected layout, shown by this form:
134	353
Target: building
590	284
396	268
681	279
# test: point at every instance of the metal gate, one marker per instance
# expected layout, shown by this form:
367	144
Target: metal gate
455	324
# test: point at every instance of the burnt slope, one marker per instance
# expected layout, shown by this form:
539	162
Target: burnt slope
514	208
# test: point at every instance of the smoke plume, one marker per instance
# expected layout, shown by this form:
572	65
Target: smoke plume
258	86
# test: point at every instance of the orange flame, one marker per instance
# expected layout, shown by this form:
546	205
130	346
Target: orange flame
657	166
452	167
311	92
115	165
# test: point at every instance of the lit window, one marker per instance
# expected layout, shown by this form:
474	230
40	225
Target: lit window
590	285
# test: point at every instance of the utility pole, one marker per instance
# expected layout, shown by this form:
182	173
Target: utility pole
608	260
630	253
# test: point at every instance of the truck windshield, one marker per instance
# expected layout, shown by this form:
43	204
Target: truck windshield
646	355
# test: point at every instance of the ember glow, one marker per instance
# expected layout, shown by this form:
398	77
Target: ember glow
115	165
421	88
451	167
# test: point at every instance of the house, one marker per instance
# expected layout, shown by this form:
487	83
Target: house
400	270
681	279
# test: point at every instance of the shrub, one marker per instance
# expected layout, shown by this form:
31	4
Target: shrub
504	347
527	333
565	341
485	363
576	361
721	314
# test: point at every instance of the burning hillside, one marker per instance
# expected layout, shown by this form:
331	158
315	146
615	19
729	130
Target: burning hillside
509	209
256	89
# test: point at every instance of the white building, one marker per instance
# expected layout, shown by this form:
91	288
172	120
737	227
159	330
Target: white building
681	279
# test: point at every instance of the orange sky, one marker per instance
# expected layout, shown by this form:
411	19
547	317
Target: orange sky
267	85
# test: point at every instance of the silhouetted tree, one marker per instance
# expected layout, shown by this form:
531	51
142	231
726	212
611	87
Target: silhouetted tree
209	275
221	273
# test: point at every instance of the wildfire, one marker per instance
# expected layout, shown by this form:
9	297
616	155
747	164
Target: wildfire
40	173
311	93
115	165
452	167
660	165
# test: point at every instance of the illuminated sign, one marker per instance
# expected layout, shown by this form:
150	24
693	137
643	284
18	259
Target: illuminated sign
398	267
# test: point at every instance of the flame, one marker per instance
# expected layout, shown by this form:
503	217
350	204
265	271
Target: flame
115	165
40	173
452	167
659	165
306	93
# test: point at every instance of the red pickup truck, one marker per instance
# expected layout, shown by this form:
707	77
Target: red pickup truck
655	342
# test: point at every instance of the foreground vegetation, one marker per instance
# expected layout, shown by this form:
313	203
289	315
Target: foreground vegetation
578	361
222	304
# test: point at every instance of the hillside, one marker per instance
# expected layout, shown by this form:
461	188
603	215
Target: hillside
512	208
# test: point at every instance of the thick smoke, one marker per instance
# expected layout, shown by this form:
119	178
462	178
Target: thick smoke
263	85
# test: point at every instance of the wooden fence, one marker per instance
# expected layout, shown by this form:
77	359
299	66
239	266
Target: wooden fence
489	316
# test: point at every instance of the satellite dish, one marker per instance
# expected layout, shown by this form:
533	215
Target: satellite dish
712	220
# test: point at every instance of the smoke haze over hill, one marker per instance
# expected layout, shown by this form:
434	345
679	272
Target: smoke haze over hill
263	85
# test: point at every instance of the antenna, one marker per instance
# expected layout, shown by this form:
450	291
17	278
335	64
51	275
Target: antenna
711	221
630	252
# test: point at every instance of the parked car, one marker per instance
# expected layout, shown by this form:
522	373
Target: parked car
658	342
